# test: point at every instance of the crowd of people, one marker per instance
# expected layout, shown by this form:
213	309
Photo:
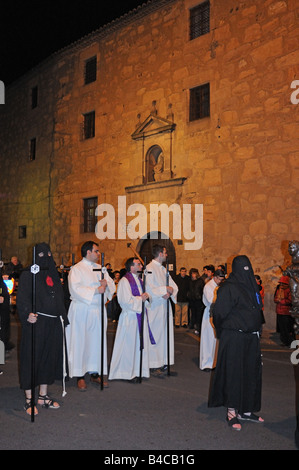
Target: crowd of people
70	330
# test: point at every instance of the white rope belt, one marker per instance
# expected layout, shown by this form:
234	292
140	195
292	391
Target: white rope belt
250	332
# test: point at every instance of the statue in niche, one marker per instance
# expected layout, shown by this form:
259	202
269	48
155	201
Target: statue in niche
159	167
155	164
293	272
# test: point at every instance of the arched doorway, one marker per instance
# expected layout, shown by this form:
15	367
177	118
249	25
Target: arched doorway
146	244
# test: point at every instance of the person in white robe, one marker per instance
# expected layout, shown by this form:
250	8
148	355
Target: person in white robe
83	334
208	341
125	361
160	294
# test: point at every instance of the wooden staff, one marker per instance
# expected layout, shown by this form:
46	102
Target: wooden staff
136	254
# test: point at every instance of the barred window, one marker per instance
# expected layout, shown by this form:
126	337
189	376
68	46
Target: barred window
34	95
199	102
90	219
32	149
90	73
200	20
89	125
22	231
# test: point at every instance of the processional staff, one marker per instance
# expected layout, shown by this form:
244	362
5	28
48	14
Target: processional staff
34	271
167	320
102	270
141	333
2	347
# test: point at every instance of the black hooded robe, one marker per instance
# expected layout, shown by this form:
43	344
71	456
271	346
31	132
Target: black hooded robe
237	381
50	352
4	314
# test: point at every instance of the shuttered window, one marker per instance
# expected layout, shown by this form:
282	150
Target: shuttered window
200	20
89	125
90	70
90	219
199	102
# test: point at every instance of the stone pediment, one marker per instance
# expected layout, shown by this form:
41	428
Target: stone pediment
153	125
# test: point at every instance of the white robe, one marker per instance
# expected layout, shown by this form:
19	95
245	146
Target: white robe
157	313
207	338
125	361
83	334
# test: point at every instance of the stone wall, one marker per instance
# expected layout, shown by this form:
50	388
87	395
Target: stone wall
241	163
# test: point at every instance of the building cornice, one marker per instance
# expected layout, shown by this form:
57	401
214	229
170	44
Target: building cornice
137	13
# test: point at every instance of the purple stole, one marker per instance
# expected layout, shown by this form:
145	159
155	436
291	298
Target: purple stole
135	292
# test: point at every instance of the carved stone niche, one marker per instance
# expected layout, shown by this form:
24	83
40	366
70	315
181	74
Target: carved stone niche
155	133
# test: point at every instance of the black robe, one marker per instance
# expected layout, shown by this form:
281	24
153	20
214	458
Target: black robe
237	380
4	314
49	338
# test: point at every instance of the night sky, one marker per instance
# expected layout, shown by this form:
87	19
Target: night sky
30	31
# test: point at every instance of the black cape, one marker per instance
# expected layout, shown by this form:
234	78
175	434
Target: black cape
4	314
49	337
237	380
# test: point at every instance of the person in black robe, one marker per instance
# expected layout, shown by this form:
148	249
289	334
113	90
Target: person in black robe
49	322
237	381
5	315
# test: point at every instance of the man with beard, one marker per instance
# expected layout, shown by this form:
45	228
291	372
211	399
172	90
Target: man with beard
83	334
48	321
160	293
237	381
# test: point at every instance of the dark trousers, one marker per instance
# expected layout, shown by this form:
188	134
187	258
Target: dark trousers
286	328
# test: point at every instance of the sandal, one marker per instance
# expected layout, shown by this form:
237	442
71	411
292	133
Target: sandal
47	402
27	407
250	417
233	421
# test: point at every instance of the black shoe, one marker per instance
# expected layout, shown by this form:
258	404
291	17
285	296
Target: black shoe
135	380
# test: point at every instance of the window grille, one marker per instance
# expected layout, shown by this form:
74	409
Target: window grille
89	125
199	102
22	231
34	95
90	219
200	20
90	70
32	149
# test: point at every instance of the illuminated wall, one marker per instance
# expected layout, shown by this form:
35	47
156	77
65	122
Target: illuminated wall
241	163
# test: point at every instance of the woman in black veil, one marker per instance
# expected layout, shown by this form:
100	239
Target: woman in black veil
49	322
237	381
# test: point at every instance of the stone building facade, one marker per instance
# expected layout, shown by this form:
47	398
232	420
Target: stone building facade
110	120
